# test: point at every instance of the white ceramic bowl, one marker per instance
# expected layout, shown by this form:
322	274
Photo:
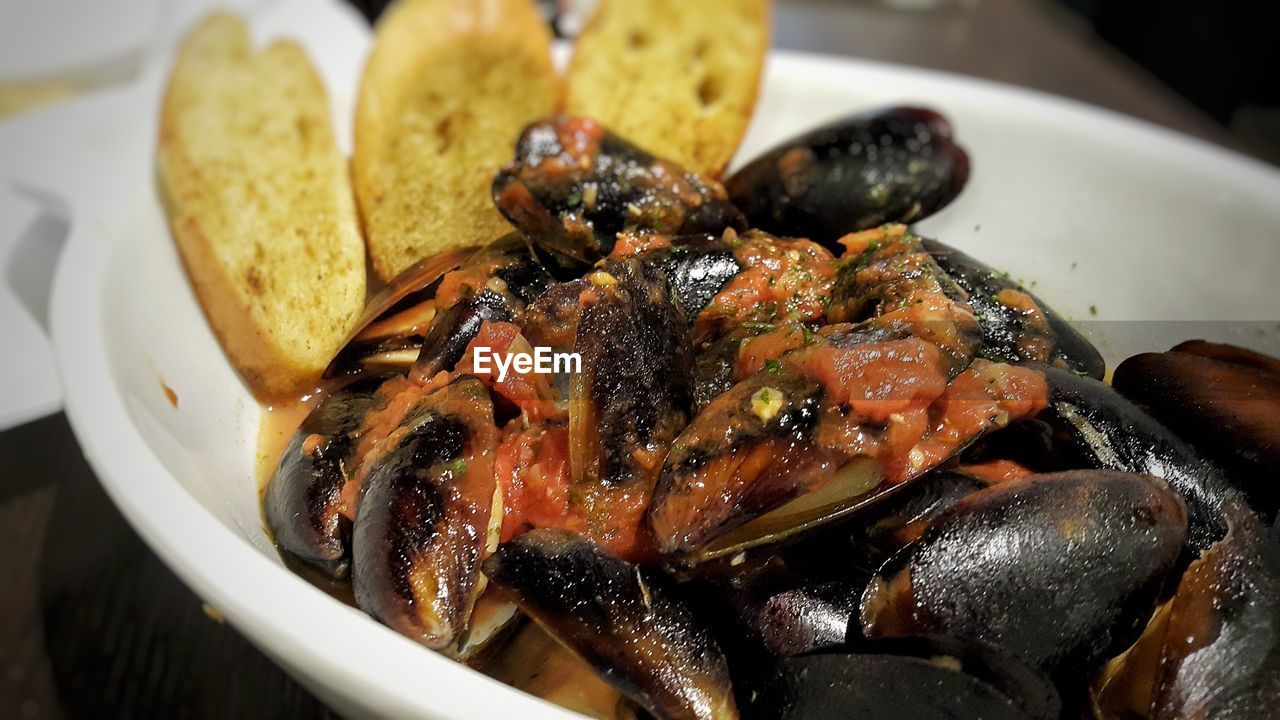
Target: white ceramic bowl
1166	237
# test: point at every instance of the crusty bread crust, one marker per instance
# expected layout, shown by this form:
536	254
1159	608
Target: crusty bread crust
679	78
260	204
448	86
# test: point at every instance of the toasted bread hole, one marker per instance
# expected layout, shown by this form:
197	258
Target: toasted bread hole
442	131
637	40
709	90
700	49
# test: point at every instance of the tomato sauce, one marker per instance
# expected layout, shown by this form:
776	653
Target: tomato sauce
782	280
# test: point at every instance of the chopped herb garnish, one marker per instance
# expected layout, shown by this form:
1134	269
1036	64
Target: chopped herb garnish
574	199
772	365
458	466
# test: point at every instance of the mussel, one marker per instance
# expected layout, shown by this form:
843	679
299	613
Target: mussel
922	677
781	291
898	164
621	618
1229	411
1059	570
887	282
428	313
630	398
303	501
574	187
1092	425
1214	650
425	517
828	432
1017	326
696	268
887	528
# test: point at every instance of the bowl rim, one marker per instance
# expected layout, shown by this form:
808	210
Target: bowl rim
272	606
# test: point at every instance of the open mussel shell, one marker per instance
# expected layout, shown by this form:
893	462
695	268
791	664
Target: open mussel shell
1228	411
898	164
1213	651
406	322
635	389
853	486
1092	425
424	516
574	187
696	268
919	677
389	333
693	520
1017	327
884	530
536	663
1060	570
446	342
622	619
301	503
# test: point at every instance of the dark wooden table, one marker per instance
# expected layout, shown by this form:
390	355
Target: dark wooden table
92	624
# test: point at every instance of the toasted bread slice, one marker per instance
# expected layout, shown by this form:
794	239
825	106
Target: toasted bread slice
260	203
676	77
446	91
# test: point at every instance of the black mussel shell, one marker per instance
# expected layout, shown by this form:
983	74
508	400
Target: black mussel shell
899	164
1092	425
635	390
1017	327
404	316
424	517
696	269
1061	570
1213	651
1229	412
574	186
624	620
919	677
302	497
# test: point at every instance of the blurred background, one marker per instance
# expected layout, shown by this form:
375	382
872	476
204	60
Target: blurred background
92	624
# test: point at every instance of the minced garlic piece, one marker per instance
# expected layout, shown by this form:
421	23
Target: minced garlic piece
766	402
602	278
